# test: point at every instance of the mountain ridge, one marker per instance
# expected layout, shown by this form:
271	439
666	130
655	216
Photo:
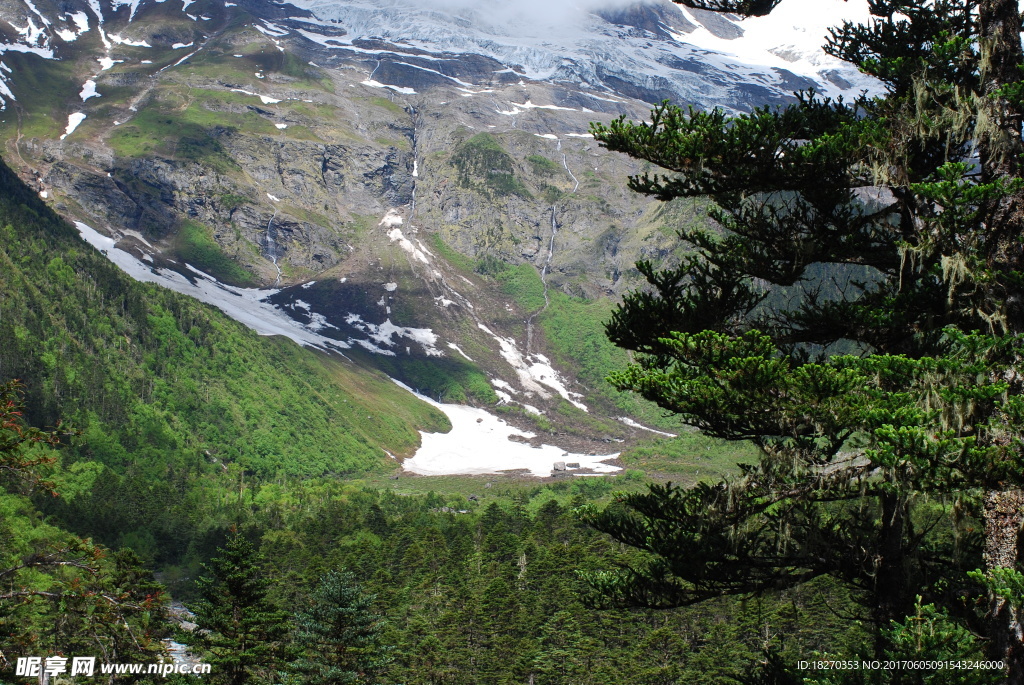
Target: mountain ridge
318	175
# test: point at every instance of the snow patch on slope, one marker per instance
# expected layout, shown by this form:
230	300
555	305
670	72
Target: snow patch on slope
245	305
630	422
265	99
479	443
88	91
383	334
534	371
73	121
397	89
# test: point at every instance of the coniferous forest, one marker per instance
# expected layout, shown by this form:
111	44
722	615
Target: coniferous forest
854	309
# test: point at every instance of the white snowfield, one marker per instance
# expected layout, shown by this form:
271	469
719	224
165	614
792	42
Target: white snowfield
398	89
88	90
791	37
566	39
245	305
73	121
265	99
250	307
549	39
478	443
534	371
630	422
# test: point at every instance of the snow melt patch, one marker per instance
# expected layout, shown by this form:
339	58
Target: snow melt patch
397	89
520	108
383	334
130	43
271	30
5	92
391	218
281	126
32	35
534	371
630	422
181	46
498	383
73	121
267	100
45	53
248	306
81	20
107	63
89	90
396	235
392	221
479	443
459	350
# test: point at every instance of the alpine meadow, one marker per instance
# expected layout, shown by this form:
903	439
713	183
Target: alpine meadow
566	343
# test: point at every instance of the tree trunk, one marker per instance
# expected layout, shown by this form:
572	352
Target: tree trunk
999	147
891	572
1004	513
999	143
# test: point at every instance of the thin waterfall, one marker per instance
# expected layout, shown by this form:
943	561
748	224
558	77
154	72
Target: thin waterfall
271	246
544	281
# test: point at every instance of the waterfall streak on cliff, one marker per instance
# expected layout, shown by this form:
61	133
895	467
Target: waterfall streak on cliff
272	247
544	280
570	174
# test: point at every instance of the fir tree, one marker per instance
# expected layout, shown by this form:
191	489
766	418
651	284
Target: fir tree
562	652
238	627
339	635
857	314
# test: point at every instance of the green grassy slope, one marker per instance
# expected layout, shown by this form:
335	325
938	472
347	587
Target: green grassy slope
155	379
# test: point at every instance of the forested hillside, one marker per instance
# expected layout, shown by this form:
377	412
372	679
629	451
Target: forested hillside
158	382
826	308
166	395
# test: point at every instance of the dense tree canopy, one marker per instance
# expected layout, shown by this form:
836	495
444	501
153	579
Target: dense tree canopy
856	310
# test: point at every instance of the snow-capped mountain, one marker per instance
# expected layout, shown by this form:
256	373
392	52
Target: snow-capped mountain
650	50
409	184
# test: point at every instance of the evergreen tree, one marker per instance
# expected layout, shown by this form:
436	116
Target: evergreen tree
857	314
339	635
562	653
239	629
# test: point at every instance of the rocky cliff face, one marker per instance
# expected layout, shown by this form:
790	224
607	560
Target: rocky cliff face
403	181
